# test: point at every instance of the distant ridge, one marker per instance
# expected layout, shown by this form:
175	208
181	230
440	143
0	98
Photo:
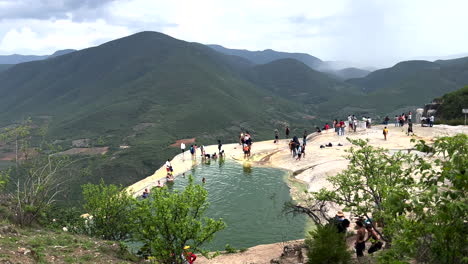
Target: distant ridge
17	58
269	55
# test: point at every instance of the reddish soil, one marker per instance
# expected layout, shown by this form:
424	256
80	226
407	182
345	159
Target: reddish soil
85	151
186	141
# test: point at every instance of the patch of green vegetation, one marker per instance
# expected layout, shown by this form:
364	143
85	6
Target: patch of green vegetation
45	245
450	110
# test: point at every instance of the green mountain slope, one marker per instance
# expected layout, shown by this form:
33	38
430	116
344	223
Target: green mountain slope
296	81
266	56
350	73
4	67
450	110
17	58
409	84
146	91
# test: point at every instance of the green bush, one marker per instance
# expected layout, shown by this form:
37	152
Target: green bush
111	210
327	246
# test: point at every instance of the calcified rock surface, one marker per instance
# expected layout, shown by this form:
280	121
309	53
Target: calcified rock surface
317	164
313	169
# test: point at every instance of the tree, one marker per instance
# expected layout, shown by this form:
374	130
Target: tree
111	208
37	176
434	228
375	184
39	182
18	134
327	246
170	220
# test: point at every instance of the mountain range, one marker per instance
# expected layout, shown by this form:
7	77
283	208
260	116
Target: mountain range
147	90
17	58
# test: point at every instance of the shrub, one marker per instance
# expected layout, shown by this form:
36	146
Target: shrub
327	246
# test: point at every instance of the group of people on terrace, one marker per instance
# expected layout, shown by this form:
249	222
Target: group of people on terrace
362	227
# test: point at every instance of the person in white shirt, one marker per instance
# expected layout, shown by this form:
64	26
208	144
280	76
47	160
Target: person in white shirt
182	148
431	121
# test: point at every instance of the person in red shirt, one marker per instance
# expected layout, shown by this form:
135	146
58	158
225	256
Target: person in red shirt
189	256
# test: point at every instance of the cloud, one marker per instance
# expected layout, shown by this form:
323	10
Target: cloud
50	36
373	32
50	9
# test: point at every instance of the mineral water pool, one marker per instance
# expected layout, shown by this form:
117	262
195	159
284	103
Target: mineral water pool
251	202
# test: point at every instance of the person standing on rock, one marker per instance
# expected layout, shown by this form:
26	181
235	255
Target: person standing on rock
360	244
431	121
276	136
385	132
287	131
374	238
168	165
182	148
219	146
410	128
304	137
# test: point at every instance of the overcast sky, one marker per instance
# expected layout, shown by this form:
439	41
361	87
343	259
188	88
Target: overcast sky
377	33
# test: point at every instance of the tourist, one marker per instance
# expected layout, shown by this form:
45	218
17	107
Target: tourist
376	243
169	177
287	131
397	120
350	123
354	123
303	151
326	127
189	256
168	165
342	127
431	120
291	146
246	151
160	185
343	226
335	125
203	180
241	138
385	132
145	194
182	148
214	156
299	152
410	117
386	119
202	151
219	146
339	216
276	136
337	128
360	244
304	137
410	128
192	151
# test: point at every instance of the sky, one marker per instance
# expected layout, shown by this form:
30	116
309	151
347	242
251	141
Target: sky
367	32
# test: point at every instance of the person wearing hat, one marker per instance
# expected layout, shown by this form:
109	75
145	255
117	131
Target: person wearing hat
189	256
339	216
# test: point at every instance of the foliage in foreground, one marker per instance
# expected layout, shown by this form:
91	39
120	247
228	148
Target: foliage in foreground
111	208
326	245
421	206
165	223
